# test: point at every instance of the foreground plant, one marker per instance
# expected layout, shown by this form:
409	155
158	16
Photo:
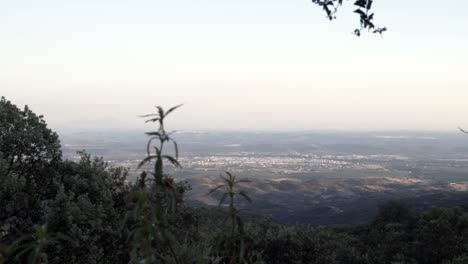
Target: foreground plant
144	230
230	191
34	245
153	202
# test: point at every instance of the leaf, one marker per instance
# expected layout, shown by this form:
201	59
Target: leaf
244	194
360	3
176	148
380	30
221	201
149	115
240	181
22	252
226	180
160	112
145	160
327	10
20	240
360	12
153	120
158	152
172	160
172	109
170	133
154	134
462	130
35	255
148	145
216	188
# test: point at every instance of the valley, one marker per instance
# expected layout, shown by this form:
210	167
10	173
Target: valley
307	177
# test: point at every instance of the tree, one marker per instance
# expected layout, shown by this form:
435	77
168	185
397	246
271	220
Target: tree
440	234
364	7
29	156
88	208
84	200
393	212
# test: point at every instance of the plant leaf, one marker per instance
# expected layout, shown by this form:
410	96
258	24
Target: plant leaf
149	115
152	120
361	3
157	134
148	145
360	12
244	194
172	109
145	160
176	148
221	201
216	188
172	160
160	112
240	181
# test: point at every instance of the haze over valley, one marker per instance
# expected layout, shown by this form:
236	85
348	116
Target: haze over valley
306	177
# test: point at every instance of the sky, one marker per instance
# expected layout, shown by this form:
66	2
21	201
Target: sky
236	65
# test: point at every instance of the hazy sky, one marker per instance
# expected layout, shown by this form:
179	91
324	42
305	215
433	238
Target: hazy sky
244	64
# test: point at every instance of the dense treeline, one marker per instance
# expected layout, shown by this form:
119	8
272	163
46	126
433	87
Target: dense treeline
439	235
59	211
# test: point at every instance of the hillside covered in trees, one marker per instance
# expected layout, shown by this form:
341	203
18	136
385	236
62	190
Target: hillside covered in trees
54	210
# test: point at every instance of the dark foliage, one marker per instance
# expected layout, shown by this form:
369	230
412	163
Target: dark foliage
363	9
29	157
88	208
79	214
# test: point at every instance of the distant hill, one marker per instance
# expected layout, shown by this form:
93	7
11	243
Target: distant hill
333	201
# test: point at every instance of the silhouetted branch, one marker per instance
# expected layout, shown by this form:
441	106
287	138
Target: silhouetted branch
363	10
